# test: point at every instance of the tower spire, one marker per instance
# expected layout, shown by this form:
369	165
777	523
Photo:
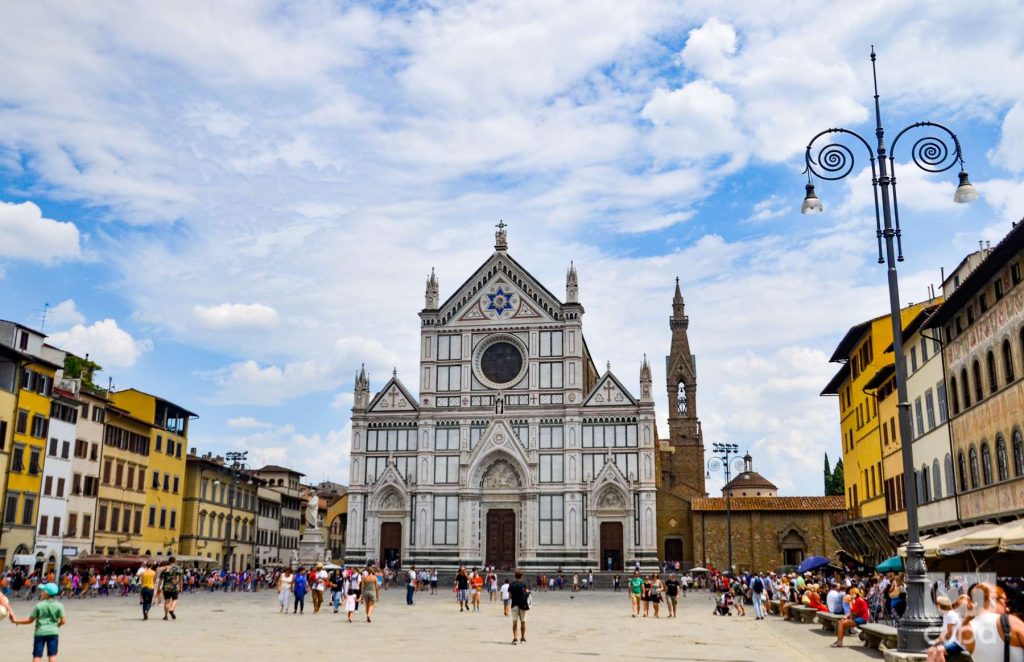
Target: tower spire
572	284
684	426
431	297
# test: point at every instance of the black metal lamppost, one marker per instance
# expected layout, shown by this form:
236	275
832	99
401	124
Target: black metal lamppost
237	460
938	151
724	456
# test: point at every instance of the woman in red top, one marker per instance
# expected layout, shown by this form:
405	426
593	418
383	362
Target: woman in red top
814	599
858	616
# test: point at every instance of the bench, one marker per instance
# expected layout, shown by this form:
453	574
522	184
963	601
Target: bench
875	634
828	621
801	614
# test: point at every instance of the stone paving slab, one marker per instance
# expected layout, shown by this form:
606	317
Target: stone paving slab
561	625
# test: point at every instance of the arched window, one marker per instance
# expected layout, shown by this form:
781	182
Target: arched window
993	378
950	481
986	463
965	388
979	389
1018	454
1008	362
1002	464
972	456
926	486
936	480
956	395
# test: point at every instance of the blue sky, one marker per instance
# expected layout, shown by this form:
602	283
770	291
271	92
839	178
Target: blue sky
235	206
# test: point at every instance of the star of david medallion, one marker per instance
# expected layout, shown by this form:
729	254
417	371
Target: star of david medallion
500	301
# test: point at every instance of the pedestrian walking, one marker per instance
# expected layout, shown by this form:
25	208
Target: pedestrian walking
147	584
519	594
48	617
672	594
636	592
284	588
462	588
506	600
299	587
319	585
350	602
410	586
757	596
170	587
371	591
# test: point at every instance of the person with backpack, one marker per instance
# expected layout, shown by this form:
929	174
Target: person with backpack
993	635
757	595
519	594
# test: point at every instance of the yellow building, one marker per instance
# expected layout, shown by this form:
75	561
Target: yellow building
165	485
10	361
27	452
219	520
122	492
883	385
865	528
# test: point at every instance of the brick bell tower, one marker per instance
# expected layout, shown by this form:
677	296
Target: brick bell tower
681	456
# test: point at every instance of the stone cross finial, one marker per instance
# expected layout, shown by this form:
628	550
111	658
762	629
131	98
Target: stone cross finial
501	237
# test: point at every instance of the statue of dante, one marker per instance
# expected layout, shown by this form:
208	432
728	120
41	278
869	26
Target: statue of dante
311	509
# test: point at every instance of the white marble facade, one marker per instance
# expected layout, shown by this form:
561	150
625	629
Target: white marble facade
518	451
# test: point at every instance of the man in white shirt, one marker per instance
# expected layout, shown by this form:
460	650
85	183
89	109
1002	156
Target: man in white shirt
410	585
318	587
834	600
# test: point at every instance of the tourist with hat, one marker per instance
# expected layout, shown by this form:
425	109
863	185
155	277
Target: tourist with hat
858	616
320	576
949	638
48	616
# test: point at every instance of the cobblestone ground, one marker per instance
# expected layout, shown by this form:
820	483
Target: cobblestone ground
561	625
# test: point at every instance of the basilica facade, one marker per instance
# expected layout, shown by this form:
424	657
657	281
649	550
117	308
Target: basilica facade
518	450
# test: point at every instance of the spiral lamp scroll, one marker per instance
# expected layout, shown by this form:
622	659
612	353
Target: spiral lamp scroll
834	161
932	154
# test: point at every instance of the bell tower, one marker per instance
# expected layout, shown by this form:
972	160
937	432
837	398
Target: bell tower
683	424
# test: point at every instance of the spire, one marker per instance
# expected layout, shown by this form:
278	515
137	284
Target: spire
748	463
681	379
678	306
572	285
501	237
432	291
361	392
645	381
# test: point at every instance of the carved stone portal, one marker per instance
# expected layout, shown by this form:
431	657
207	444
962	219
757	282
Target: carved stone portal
611	499
392	501
501	476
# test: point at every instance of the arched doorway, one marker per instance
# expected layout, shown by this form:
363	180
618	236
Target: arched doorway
793	547
501	538
390	544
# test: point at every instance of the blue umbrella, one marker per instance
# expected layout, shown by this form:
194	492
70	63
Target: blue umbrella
813	563
892	564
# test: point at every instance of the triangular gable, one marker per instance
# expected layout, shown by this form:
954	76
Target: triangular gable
500	270
610	474
389	478
393	397
609	391
498	437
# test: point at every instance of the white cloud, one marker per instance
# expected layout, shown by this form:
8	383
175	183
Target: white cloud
236	316
26	235
1009	152
343	400
247	422
64	314
710	48
769	208
104	341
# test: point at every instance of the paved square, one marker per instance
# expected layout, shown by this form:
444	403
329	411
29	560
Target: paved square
561	625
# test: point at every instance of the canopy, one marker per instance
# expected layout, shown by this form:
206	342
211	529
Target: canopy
891	564
113	562
973	539
950	543
331	566
1012	536
699	570
813	563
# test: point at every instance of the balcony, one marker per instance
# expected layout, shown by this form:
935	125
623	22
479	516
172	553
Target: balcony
844	516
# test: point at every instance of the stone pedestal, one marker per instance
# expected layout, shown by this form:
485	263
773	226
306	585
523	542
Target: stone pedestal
312	549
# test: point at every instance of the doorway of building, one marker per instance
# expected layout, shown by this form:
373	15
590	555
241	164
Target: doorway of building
390	543
501	539
611	546
673	550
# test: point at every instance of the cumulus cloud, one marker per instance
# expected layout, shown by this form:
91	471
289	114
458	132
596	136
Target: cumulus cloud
26	235
247	422
236	316
104	341
1008	152
64	314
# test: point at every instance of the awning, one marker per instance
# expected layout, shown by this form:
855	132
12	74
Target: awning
25	559
185	558
1012	536
973	539
945	543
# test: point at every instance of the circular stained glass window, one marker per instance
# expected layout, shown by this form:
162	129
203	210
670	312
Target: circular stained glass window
501	362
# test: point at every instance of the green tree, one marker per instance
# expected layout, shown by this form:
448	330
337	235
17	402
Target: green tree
828	476
838	484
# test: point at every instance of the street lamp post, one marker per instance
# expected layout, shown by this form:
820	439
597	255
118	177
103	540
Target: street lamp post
237	460
725	457
938	151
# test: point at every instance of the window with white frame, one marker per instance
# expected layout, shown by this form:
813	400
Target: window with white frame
446	469
552	507
374	468
551	468
551	436
446	520
551	343
449	348
406	467
475	432
522	432
551	375
446	439
627	463
620	435
449	377
398	439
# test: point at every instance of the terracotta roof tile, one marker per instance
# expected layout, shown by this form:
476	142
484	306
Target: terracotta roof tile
770	503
